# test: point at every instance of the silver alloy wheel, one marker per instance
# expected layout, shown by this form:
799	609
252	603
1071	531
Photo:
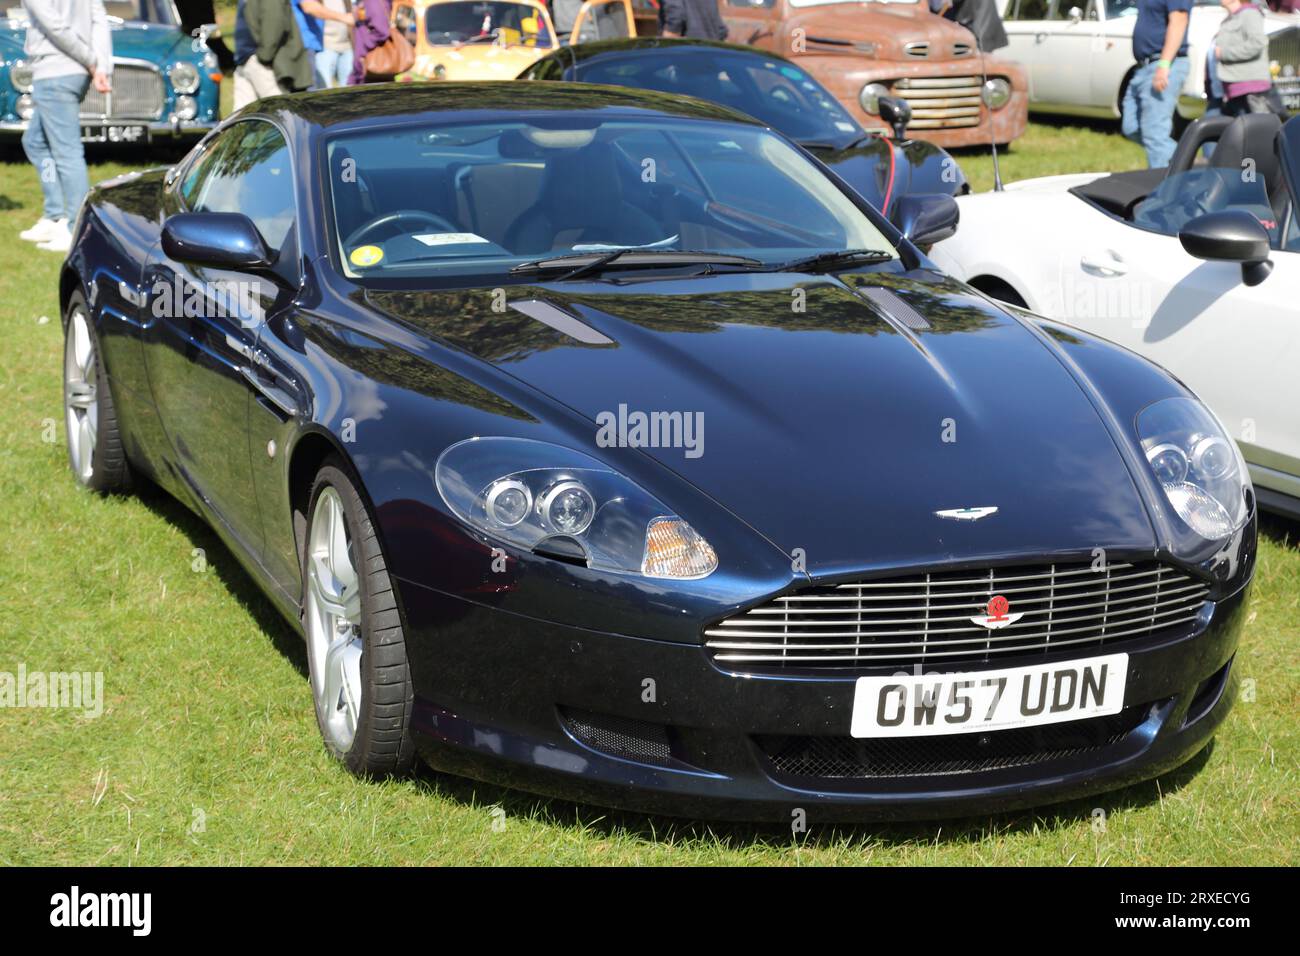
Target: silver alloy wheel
79	384
333	621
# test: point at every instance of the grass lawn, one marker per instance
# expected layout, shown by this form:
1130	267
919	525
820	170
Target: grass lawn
207	751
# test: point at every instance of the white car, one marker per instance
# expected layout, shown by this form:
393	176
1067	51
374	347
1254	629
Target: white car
1079	53
1196	267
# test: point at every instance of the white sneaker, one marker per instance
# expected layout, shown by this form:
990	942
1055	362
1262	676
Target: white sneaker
60	240
43	231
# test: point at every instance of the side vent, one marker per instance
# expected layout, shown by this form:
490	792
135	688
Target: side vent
917	48
561	321
895	309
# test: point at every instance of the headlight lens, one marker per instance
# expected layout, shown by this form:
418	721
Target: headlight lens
186	108
995	92
523	492
25	107
20	76
184	77
870	97
1200	469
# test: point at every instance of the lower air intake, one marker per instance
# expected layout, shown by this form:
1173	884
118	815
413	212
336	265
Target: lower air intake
624	737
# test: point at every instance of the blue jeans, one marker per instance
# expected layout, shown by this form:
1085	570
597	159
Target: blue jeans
52	142
1148	116
332	68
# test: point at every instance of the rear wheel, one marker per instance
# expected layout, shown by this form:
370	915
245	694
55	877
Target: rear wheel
356	645
95	450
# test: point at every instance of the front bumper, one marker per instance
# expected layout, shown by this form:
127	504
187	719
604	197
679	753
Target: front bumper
155	130
522	703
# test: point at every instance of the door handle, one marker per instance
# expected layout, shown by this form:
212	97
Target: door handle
1104	264
1040	37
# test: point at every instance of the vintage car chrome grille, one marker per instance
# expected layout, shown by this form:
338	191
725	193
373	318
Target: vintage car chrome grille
137	95
1284	50
926	618
941	102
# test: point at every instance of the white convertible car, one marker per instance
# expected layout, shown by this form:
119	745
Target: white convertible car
1079	53
1196	267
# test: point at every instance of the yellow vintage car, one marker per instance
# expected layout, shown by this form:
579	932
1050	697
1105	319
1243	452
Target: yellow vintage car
498	39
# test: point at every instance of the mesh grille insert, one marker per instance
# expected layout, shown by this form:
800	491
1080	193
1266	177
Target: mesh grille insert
621	736
855	758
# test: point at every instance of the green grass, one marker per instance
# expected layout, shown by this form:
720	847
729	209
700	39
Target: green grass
207	708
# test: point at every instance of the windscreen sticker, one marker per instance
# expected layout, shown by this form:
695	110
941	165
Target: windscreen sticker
447	238
365	256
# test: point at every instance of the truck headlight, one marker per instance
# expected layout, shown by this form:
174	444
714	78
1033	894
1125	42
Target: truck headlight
554	500
996	93
870	97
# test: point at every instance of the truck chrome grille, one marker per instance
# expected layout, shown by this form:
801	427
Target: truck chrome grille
926	618
941	102
137	95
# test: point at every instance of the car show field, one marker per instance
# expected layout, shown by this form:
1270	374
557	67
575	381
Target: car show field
202	747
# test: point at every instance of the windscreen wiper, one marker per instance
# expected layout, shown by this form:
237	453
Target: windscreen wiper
589	263
837	259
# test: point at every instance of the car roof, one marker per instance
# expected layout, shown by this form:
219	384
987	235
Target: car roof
383	103
631	46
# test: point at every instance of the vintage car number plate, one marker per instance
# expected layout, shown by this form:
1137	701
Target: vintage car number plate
115	134
924	705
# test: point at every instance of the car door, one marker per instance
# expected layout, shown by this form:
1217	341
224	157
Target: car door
1062	75
603	20
1236	346
1112	54
201	348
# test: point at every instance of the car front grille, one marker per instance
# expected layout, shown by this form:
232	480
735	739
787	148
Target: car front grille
852	758
1284	50
927	617
941	102
137	95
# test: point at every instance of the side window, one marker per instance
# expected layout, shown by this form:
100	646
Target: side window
246	170
547	69
1186	196
405	21
1034	10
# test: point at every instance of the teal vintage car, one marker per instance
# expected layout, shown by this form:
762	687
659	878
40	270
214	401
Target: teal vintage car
166	84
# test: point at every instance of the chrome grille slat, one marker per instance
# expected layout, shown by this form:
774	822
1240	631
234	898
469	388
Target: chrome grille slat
941	102
1107	603
849	625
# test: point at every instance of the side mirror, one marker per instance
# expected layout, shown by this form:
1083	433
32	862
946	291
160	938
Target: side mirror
1230	236
219	240
1075	15
926	218
897	112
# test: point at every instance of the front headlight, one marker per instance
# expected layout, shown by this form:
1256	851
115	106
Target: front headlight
554	500
25	107
20	76
1198	466
995	93
186	108
870	97
184	77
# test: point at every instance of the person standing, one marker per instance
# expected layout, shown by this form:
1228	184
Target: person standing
263	29
69	47
1160	48
334	61
200	13
310	16
697	19
1241	52
370	33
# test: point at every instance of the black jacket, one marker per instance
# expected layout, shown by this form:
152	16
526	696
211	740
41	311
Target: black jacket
697	19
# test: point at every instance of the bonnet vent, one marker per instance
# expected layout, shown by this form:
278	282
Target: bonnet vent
895	309
561	321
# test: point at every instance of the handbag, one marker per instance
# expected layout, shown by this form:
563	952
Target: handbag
395	55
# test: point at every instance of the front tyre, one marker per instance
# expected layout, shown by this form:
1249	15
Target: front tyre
95	450
356	647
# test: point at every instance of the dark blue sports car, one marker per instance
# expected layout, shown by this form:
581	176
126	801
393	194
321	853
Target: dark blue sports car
600	444
781	94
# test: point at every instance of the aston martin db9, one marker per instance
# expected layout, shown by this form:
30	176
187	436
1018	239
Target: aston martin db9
600	444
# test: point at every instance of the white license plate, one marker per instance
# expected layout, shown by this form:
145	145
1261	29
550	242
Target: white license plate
909	705
114	134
